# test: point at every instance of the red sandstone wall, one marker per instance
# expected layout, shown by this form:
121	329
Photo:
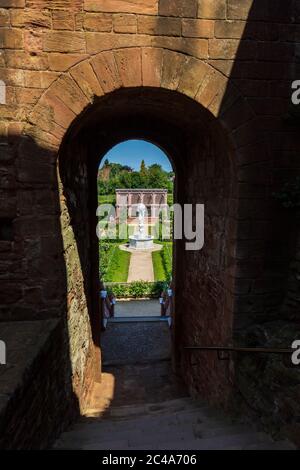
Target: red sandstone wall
41	39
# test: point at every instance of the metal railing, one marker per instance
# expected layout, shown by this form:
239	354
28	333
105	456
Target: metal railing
243	350
167	304
107	307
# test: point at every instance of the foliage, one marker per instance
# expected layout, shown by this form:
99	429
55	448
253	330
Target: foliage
162	262
107	199
167	257
158	267
106	250
143	169
114	263
289	195
123	177
170	199
136	289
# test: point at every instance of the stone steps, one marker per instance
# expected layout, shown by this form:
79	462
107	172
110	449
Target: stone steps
179	424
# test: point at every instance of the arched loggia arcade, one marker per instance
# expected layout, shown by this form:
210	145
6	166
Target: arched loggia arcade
96	105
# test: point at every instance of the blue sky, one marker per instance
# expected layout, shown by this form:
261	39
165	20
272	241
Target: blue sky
132	152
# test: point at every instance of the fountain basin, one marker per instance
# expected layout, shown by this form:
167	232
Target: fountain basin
141	243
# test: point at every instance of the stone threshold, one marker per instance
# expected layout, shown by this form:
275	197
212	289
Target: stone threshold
137	319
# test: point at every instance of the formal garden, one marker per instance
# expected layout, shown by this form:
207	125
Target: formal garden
114	261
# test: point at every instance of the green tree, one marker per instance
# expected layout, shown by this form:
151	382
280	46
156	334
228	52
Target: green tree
123	176
143	168
157	177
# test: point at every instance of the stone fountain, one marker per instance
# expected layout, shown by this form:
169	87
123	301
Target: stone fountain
141	241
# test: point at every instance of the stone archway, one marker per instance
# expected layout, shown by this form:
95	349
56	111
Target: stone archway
184	105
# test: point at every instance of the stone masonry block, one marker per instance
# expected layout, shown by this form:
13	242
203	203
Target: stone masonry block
61	62
214	83
125	23
231	49
70	5
215	9
63	41
173	65
61	114
192	76
184	8
63	20
106	70
146	7
25	60
159	26
197	28
30	18
238	9
4	17
86	79
129	66
229	29
97	22
68	91
12	3
11	38
151	66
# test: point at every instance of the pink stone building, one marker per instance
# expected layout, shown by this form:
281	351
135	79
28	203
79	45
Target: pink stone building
154	199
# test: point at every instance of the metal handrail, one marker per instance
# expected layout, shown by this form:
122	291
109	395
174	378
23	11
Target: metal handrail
242	350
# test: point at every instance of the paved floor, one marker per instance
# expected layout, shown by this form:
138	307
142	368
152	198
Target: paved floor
135	343
140	384
137	308
176	424
141	267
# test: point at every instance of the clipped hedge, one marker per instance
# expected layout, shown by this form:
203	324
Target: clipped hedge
135	290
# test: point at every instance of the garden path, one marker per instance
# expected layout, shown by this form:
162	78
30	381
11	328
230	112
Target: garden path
141	267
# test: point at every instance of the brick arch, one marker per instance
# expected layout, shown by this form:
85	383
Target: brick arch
72	98
78	88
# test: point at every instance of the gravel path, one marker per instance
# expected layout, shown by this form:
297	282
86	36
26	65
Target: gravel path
141	267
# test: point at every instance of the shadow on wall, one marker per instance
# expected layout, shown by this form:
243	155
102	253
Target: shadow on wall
267	155
37	379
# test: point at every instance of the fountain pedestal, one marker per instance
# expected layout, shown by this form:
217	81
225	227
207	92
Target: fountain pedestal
141	241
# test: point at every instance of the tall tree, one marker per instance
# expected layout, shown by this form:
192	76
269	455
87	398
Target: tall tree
143	168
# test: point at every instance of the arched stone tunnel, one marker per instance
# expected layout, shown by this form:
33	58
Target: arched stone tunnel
200	151
209	83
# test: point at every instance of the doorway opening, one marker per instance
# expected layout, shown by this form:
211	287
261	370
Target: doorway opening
135	193
135	229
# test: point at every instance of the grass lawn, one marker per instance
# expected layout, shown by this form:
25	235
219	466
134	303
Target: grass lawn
162	262
158	267
114	263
